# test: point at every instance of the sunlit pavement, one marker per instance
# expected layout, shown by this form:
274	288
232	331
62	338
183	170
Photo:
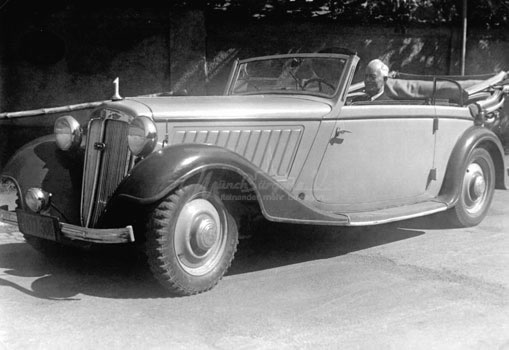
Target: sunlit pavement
410	285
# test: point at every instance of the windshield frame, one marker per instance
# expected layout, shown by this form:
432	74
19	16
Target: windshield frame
234	76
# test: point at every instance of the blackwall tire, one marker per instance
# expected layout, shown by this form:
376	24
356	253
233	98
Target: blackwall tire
191	240
477	188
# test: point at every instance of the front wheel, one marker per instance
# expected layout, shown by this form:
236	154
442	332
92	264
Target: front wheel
478	185
191	240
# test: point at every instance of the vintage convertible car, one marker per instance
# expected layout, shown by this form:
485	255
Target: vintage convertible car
182	174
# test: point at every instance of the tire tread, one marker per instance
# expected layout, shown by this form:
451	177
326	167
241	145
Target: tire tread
159	242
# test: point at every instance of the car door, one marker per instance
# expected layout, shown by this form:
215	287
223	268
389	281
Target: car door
379	156
453	119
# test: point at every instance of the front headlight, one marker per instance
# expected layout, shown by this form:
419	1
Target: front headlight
67	132
142	137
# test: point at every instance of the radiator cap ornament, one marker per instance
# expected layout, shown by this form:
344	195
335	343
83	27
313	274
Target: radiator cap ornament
116	94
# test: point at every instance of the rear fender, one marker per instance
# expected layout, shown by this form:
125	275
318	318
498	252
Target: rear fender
472	138
41	164
153	178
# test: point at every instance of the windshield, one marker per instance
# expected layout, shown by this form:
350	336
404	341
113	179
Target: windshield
306	75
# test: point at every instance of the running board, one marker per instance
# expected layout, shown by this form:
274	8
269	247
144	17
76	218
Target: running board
395	214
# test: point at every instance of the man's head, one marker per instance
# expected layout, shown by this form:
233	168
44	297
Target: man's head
376	75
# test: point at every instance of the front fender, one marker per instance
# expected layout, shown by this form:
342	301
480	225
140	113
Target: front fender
41	164
155	177
472	138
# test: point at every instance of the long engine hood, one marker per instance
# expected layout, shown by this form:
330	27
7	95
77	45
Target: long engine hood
234	107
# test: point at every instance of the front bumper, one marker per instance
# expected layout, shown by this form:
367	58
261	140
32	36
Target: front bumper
113	235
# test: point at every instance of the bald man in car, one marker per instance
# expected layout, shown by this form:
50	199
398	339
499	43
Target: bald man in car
376	75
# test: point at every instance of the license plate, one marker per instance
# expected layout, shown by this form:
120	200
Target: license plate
41	226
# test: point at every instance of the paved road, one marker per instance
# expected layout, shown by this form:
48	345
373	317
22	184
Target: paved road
411	285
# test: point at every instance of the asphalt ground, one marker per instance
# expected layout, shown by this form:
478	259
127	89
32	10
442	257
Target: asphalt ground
416	284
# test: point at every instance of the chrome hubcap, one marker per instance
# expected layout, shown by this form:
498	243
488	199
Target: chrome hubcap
199	237
474	188
203	232
479	186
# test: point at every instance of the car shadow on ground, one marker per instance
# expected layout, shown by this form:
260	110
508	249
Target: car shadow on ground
109	273
120	272
275	244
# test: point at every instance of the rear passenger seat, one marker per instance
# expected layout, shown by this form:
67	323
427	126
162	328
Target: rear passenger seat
422	90
406	88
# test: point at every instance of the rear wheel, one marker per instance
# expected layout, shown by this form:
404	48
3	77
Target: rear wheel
191	240
478	185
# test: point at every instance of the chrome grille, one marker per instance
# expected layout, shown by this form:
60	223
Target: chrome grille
92	161
107	160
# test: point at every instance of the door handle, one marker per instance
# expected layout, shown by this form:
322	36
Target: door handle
337	134
340	131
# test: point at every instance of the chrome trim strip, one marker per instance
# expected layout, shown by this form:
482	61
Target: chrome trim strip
109	235
172	119
297	55
112	235
398	218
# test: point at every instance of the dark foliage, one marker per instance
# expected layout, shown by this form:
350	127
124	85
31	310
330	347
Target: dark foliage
485	13
482	13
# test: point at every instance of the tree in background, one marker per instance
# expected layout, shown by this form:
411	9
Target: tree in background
485	13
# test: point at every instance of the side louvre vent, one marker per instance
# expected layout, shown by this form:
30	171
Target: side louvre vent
271	149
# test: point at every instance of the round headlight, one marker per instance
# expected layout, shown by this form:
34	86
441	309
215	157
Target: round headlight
37	199
142	137
67	132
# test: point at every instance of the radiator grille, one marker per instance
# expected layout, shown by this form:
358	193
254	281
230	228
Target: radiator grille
105	166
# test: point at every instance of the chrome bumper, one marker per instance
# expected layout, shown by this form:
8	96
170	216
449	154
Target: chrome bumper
111	235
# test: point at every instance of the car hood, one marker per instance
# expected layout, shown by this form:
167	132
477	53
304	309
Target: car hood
234	107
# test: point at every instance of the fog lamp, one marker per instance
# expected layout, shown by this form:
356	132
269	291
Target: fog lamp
37	199
67	132
142	137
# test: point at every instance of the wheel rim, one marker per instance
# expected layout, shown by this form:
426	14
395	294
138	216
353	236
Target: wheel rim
199	237
475	188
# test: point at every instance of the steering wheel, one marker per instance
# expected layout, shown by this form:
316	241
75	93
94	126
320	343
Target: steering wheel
320	81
